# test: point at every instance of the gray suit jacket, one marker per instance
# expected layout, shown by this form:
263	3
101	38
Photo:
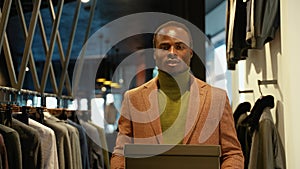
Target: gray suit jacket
13	147
267	150
30	145
62	141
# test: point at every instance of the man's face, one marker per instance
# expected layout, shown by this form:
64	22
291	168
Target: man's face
173	54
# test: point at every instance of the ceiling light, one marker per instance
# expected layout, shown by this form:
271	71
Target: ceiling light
115	85
107	82
101	80
103	89
27	69
85	1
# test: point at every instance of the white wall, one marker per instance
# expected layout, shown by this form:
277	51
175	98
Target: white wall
279	60
290	30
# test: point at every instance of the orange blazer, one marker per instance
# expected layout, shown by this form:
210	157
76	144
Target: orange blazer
209	121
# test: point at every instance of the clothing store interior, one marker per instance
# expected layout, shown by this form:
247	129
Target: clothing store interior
66	64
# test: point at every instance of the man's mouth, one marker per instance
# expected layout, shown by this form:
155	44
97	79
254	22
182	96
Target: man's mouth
172	62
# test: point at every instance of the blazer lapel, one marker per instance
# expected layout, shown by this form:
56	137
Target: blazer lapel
197	99
150	95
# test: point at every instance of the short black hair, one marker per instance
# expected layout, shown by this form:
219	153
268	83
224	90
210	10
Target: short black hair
173	23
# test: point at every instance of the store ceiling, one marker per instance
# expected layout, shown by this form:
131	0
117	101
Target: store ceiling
106	11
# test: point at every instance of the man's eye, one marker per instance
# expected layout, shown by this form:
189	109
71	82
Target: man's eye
165	47
179	47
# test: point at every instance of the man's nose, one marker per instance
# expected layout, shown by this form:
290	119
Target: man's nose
172	53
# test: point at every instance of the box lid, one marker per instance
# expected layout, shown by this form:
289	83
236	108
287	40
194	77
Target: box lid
135	150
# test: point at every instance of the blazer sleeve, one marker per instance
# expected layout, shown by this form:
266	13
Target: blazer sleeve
232	156
124	135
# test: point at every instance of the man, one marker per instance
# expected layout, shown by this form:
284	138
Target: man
175	107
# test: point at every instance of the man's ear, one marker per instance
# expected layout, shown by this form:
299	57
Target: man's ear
191	53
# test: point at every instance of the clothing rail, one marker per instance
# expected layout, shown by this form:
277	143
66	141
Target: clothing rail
246	91
265	82
30	92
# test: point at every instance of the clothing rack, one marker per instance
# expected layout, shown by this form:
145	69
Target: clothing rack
245	91
26	92
265	82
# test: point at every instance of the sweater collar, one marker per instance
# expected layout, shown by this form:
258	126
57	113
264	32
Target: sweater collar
174	85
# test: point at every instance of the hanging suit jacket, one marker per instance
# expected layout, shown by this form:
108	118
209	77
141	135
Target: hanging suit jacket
244	135
13	146
209	121
249	25
30	145
236	24
3	154
264	18
267	151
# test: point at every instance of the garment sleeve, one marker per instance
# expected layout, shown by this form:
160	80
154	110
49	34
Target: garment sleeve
270	147
124	135
232	156
3	154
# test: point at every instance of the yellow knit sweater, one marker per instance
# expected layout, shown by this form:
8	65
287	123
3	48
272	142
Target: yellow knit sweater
173	98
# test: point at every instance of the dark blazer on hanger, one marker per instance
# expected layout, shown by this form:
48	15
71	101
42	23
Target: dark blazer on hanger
13	146
243	130
30	145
